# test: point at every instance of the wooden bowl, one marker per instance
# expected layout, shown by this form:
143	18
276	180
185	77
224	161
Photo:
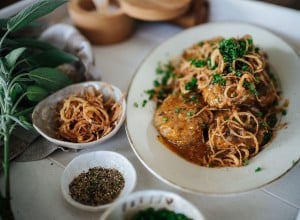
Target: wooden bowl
105	26
155	10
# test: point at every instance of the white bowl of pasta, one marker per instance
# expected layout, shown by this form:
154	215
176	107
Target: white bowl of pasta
80	115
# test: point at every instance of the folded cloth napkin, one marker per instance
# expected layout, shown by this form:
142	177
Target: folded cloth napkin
28	145
39	149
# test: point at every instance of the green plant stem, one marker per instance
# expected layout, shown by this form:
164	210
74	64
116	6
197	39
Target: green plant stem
6	166
3	37
5	205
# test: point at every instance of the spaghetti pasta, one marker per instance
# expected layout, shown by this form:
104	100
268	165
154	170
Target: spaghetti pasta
87	116
217	104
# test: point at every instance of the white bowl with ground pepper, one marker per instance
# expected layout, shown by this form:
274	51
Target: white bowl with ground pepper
95	180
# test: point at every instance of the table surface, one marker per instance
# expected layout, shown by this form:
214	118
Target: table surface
35	186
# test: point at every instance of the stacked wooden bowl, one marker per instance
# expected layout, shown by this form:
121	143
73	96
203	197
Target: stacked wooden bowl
111	21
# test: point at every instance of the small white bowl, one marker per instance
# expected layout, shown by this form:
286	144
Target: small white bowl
105	159
126	207
45	111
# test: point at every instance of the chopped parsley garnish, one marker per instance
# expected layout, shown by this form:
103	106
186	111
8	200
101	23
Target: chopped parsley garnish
267	137
144	103
151	93
198	63
283	111
272	120
258	169
218	79
189	114
165	119
250	87
177	110
259	114
156	83
238	73
246	162
264	124
191	85
167	72
163	93
231	49
136	104
194	98
200	44
203	125
245	67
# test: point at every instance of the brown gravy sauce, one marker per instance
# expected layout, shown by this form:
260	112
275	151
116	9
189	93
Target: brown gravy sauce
193	153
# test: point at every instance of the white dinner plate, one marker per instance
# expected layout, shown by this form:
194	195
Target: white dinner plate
274	161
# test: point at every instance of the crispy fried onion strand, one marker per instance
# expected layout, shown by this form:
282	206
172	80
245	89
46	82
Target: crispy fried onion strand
88	116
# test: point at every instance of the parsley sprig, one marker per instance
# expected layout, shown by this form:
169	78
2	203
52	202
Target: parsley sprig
218	79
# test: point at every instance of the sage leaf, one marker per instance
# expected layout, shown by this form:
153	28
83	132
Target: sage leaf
49	78
3	23
32	12
27	42
51	58
3	67
13	56
36	93
16	91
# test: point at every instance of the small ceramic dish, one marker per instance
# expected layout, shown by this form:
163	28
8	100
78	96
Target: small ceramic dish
45	112
66	37
105	159
127	207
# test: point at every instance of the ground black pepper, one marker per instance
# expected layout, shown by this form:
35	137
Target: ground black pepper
97	186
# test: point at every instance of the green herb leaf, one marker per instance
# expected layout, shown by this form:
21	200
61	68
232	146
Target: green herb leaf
49	78
36	93
52	58
250	87
33	12
218	79
177	110
231	49
198	63
267	137
151	93
191	85
189	114
16	91
165	119
144	103
258	169
28	43
283	111
246	162
13	56
3	24
3	67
